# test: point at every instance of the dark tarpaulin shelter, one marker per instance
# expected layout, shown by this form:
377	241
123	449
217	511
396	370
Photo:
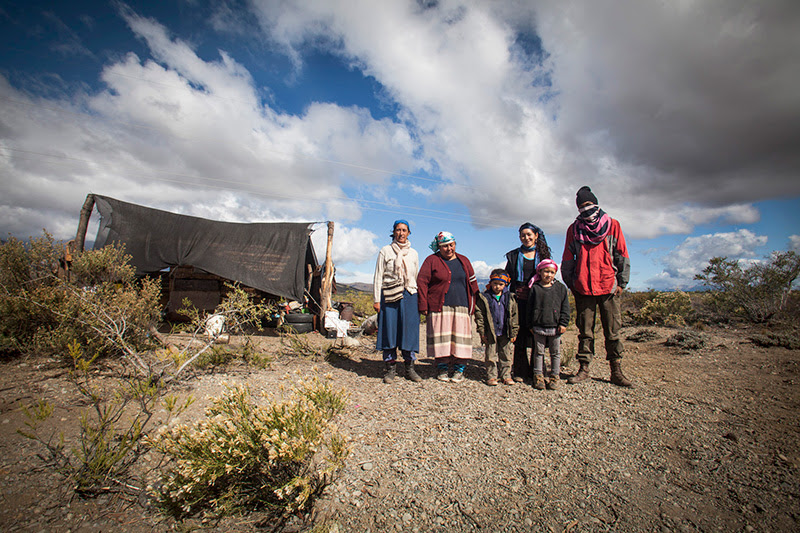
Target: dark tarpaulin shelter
271	257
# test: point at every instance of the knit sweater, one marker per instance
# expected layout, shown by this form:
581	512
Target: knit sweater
548	307
384	271
434	280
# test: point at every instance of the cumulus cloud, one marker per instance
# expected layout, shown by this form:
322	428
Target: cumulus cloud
483	269
671	109
794	243
350	245
188	135
677	114
693	255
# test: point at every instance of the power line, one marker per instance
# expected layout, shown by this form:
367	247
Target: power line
247	188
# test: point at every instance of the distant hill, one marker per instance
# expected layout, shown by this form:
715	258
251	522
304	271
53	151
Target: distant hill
358	286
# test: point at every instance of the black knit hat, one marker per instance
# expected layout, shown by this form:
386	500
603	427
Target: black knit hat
584	195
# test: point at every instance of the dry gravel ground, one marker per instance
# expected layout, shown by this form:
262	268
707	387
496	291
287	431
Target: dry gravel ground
706	441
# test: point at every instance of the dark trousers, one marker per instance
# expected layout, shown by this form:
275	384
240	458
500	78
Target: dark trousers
522	367
611	318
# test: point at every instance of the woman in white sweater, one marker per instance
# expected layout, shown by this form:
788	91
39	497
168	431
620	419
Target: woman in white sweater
395	297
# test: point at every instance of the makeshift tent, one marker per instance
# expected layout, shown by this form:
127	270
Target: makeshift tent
271	257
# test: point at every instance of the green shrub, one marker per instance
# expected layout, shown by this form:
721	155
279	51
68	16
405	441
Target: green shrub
242	456
103	307
757	292
673	309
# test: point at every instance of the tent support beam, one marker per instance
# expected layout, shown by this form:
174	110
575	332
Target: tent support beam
326	285
83	223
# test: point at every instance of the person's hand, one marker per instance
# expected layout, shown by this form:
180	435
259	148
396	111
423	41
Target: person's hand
618	291
483	339
377	307
423	313
562	329
513	339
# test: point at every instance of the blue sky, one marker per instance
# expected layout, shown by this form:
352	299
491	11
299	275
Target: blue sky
465	116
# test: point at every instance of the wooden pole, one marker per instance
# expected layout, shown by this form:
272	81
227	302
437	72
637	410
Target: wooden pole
326	284
83	223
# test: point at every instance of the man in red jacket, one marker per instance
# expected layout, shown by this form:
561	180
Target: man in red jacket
596	268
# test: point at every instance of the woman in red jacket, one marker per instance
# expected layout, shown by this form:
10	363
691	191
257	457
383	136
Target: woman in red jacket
447	288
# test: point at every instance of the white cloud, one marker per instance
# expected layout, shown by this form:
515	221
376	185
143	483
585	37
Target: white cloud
350	245
794	243
693	255
483	269
186	135
353	276
669	111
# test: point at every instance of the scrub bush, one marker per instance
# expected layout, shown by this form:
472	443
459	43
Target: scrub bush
276	458
103	306
672	309
111	428
757	292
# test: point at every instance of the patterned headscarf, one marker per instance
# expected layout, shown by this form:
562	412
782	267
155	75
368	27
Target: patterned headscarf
443	237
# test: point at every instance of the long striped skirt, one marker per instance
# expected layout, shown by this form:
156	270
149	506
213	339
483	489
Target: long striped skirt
449	333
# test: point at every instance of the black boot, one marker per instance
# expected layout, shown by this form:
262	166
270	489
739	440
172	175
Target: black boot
391	372
582	375
617	377
411	373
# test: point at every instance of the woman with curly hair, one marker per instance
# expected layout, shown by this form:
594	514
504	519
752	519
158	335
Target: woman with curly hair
521	265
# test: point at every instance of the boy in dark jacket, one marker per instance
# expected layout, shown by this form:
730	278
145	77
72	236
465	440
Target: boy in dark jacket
497	324
548	316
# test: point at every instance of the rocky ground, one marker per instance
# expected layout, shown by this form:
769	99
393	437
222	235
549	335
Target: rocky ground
706	441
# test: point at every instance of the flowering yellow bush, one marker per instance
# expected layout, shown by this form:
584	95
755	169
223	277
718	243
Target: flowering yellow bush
244	456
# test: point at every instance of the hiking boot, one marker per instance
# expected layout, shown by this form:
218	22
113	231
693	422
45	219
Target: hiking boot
538	382
458	377
442	375
411	373
390	373
508	381
553	383
491	382
518	379
582	375
617	377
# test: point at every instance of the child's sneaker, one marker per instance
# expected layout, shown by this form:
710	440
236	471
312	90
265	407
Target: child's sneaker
553	383
458	377
538	382
442	375
491	382
508	381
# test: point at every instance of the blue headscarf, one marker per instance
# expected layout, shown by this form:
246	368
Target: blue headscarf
400	221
